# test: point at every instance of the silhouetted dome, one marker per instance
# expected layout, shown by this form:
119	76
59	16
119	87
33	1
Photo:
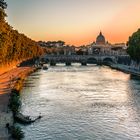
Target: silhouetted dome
100	39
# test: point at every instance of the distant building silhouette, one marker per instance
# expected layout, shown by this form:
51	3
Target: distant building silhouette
100	39
101	46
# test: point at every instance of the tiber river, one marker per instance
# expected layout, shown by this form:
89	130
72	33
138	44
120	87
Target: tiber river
82	103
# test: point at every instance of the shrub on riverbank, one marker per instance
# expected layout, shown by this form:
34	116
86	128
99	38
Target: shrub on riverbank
19	84
14	102
17	133
14	105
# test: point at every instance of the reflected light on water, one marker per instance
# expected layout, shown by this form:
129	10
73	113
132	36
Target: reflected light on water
83	103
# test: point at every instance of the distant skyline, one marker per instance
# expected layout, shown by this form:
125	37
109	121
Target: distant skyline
77	22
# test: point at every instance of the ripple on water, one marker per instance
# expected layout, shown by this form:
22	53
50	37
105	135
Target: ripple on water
82	103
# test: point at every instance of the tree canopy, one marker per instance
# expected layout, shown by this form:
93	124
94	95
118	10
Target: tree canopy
134	46
15	46
3	4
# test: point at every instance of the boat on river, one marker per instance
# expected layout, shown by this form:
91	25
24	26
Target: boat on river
25	119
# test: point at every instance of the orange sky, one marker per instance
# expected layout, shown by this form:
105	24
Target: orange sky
76	22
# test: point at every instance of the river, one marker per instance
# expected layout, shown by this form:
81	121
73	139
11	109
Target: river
82	103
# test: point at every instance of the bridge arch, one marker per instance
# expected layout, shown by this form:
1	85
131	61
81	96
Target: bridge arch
92	60
47	60
44	60
108	60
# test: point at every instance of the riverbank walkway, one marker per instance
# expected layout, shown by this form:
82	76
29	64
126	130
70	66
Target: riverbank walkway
126	68
7	81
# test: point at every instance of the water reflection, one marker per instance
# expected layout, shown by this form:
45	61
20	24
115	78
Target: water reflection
82	103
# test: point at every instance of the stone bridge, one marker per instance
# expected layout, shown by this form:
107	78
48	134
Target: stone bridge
83	59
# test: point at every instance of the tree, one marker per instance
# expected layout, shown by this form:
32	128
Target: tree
14	46
3	4
79	52
134	46
62	43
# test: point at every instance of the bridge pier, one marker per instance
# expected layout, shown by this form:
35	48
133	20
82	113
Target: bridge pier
99	62
83	63
68	63
52	63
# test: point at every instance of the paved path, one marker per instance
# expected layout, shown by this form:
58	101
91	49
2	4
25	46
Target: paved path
127	69
7	81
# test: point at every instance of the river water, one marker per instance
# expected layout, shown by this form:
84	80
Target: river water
82	103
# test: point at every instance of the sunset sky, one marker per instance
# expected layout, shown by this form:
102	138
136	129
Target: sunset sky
76	22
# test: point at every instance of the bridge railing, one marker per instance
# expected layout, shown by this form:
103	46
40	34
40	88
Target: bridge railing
81	58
